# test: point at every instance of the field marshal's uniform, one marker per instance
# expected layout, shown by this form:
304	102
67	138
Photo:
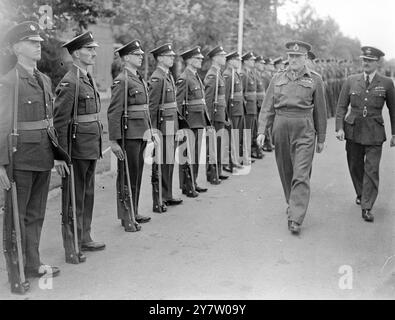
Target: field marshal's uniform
294	108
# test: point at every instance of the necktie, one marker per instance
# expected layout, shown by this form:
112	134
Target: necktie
367	81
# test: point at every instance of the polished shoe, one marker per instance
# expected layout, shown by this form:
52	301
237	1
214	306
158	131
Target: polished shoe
173	202
190	194
215	182
163	208
132	228
223	177
294	227
367	215
93	246
200	190
76	259
358	201
43	270
142	219
227	169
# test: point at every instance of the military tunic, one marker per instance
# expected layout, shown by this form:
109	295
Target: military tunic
34	157
85	146
364	130
164	117
295	110
138	129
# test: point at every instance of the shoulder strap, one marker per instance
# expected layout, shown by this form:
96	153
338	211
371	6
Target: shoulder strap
76	95
15	111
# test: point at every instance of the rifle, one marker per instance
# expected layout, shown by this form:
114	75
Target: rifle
69	210
213	174
125	190
157	167
12	239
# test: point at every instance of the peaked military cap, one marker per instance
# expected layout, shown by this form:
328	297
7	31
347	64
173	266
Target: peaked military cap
192	53
132	47
84	40
162	50
277	60
28	30
216	51
233	55
297	47
248	56
371	53
311	55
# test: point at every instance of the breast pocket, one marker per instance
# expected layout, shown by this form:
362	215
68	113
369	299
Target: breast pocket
379	98
87	103
31	109
355	98
169	95
137	96
196	93
305	90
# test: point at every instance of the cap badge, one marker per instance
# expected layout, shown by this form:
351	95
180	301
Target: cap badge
137	44
296	47
33	28
368	51
169	47
90	35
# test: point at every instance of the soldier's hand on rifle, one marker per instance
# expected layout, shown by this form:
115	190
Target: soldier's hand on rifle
4	181
260	140
392	142
61	168
340	135
117	150
155	137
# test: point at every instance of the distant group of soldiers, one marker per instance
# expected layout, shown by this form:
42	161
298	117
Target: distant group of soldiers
237	110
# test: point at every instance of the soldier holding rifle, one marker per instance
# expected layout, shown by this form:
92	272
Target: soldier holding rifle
216	105
164	117
128	125
192	105
28	147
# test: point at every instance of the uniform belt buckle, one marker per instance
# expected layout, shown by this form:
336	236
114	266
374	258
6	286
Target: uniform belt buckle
364	112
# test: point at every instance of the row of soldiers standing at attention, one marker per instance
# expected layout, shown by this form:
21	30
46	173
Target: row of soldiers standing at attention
41	130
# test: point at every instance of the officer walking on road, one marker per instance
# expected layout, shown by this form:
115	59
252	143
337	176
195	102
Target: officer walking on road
363	126
86	139
294	107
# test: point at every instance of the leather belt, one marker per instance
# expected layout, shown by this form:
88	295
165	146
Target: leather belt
138	107
91	117
260	96
365	113
169	105
250	95
294	112
196	102
35	125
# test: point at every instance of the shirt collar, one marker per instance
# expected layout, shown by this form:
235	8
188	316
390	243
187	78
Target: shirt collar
301	73
84	72
371	76
163	69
